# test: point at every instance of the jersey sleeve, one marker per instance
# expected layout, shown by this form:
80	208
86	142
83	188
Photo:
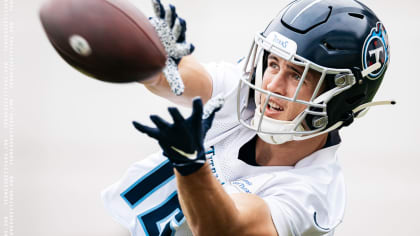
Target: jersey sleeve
300	204
225	78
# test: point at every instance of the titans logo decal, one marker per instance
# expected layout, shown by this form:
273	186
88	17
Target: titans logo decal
376	49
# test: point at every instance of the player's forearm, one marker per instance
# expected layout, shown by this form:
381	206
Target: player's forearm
160	87
196	80
209	210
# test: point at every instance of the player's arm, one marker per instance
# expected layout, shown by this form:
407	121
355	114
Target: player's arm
182	75
196	79
209	210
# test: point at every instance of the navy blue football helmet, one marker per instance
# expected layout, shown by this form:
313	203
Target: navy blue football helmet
343	40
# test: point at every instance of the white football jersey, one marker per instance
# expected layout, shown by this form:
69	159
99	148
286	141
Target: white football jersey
305	199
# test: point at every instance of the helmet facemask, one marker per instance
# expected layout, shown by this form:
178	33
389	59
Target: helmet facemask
313	120
342	40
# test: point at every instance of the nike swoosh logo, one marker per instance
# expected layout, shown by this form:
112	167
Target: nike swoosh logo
191	156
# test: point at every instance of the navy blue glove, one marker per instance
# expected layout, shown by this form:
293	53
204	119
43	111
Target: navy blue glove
182	142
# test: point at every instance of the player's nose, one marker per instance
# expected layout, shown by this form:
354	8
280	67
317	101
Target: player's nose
278	84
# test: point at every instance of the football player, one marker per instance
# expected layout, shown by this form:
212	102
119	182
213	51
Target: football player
265	162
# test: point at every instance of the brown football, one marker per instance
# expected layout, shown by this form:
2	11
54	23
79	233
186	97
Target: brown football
110	40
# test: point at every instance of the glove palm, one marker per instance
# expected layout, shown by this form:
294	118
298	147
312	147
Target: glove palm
171	31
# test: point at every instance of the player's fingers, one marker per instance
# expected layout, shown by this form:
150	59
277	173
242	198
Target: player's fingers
177	29
183	49
169	11
197	106
152	132
176	116
213	106
207	123
158	9
181	29
197	111
174	16
159	122
210	109
191	48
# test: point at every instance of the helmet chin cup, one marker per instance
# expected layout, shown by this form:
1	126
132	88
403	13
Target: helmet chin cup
265	125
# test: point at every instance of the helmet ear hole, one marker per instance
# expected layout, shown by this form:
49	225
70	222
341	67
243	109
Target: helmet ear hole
328	46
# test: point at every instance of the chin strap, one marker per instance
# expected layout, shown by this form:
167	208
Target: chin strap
371	104
360	111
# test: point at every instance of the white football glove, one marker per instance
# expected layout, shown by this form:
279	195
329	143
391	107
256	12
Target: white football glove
171	31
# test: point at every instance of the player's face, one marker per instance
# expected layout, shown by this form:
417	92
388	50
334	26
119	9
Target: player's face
282	77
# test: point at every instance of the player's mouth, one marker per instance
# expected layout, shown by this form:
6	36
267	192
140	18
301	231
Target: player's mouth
274	106
273	109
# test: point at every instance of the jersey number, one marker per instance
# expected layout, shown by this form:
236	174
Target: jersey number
161	219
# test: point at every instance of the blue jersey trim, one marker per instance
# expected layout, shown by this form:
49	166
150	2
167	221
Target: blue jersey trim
148	184
151	222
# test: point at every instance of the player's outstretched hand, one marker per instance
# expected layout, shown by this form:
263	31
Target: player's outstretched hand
182	142
171	30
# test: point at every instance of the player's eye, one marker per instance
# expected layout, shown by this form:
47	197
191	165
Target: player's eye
297	77
274	65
